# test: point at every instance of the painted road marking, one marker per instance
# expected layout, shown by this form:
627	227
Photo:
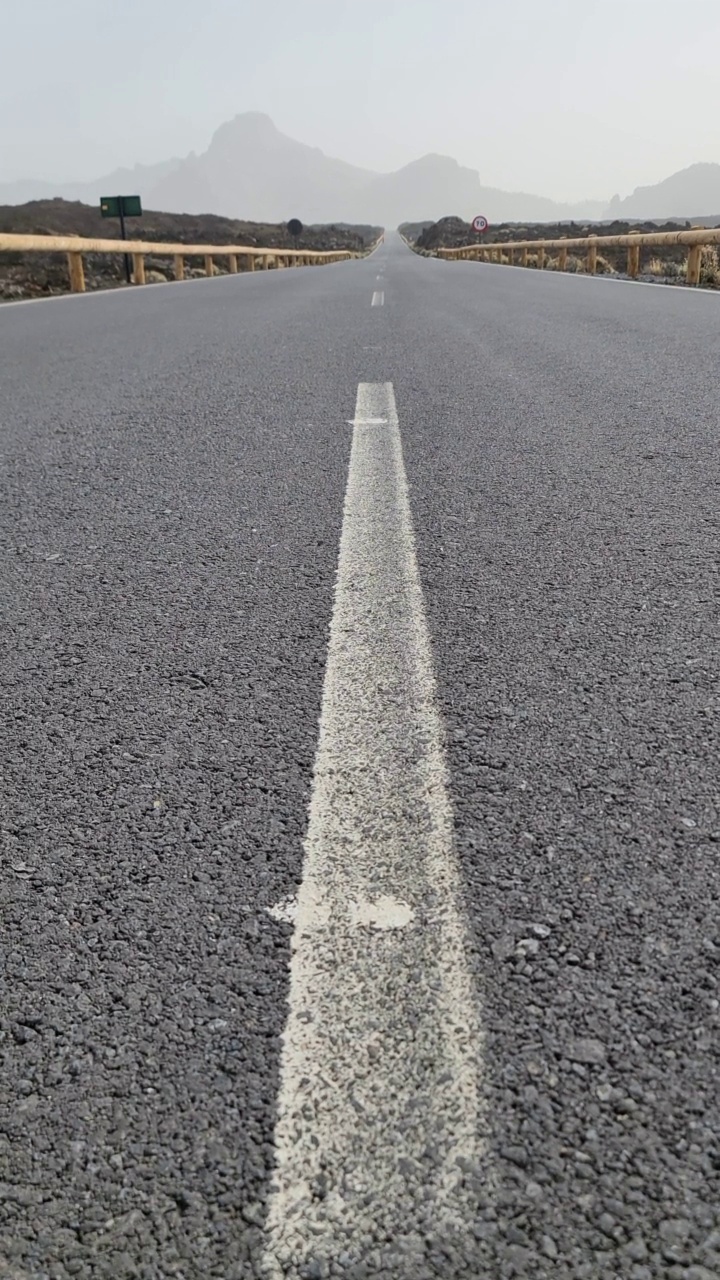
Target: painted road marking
286	910
385	913
378	298
379	1107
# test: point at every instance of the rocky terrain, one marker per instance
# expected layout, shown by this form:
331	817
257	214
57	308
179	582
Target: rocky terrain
663	261
32	275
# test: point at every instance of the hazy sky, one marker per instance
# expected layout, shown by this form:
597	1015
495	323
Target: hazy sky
537	94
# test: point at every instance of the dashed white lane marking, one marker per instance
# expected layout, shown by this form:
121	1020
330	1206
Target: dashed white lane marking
379	1111
378	298
285	911
385	913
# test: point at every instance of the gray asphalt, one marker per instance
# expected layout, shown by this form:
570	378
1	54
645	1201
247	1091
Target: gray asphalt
174	461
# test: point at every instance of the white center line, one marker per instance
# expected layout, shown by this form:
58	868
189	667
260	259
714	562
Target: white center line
378	298
379	1108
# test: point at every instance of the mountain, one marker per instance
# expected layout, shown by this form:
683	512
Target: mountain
250	170
692	193
429	186
136	181
518	206
250	165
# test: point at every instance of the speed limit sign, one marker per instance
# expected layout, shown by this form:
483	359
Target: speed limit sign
480	223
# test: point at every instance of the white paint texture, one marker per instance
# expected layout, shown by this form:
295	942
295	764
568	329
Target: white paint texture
378	298
379	1111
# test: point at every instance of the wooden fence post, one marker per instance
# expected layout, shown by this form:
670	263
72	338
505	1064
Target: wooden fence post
693	264
633	261
208	264
249	260
232	264
138	268
562	259
591	261
77	274
524	257
541	257
179	265
511	257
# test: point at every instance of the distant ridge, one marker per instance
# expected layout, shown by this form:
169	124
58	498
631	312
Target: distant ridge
253	171
679	196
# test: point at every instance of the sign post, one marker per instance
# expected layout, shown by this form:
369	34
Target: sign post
295	227
121	207
480	224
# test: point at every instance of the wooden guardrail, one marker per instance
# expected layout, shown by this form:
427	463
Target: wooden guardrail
696	239
75	246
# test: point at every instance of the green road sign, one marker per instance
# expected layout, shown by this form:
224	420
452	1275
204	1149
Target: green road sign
120	207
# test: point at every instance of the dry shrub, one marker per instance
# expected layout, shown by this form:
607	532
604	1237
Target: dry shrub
666	268
574	263
578	264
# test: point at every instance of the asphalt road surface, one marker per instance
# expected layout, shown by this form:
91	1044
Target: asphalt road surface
372	609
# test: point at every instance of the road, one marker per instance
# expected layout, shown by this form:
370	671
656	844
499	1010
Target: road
466	516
